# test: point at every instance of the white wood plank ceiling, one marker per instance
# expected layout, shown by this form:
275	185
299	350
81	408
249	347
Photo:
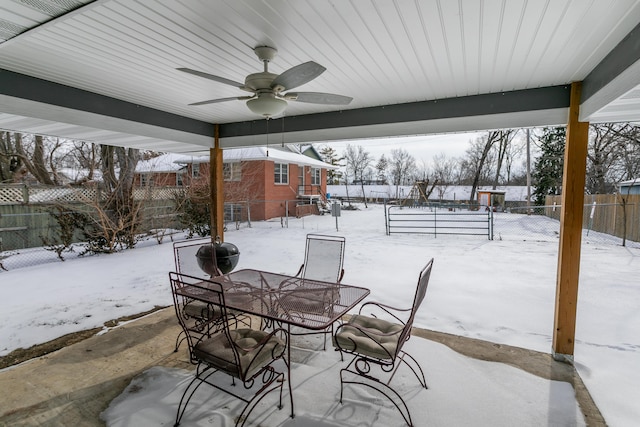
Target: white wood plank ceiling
379	52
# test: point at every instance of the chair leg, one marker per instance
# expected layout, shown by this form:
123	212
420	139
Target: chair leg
271	379
375	384
278	380
421	378
181	337
197	377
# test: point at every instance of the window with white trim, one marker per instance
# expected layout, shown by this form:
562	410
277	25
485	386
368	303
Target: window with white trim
195	170
315	176
232	171
146	179
281	173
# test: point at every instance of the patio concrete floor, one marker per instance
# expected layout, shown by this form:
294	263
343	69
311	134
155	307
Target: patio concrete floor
72	386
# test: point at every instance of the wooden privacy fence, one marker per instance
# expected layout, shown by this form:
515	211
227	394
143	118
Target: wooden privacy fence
26	222
614	214
428	220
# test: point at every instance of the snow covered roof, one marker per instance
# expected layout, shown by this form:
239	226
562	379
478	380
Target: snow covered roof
169	162
630	183
274	154
75	174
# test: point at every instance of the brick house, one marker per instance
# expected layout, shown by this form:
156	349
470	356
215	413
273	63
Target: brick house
269	181
166	170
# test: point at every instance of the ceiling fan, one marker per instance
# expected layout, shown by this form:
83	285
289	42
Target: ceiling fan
268	98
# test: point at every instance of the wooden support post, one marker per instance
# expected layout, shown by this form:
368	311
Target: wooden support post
573	180
216	186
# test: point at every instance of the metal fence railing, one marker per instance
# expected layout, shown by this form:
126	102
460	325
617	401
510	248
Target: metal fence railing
24	227
439	221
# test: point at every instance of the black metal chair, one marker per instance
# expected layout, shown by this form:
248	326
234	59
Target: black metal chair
377	345
323	261
244	354
323	258
185	253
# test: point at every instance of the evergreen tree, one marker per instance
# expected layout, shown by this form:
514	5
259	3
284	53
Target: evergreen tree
547	170
329	155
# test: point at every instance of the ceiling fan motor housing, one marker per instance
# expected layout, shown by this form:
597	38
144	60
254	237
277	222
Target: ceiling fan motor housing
257	81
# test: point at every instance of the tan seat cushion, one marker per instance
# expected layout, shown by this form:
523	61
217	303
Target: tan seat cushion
380	336
200	310
217	351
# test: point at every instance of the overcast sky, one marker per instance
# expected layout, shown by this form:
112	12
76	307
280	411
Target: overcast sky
420	147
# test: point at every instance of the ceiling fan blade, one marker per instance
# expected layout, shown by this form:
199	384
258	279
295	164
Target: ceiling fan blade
318	98
215	101
296	76
212	77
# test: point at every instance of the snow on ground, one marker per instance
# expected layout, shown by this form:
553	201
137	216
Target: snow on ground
501	291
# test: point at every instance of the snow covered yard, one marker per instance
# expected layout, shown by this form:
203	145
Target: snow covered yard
501	291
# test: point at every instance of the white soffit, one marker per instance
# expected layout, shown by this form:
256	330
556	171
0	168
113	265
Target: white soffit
380	52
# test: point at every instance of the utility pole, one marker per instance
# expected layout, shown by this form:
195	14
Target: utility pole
528	172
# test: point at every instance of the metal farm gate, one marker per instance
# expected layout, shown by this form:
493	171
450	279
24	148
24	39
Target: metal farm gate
430	220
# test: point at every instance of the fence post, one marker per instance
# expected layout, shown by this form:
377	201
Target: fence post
386	218
490	228
435	223
249	214
25	194
286	213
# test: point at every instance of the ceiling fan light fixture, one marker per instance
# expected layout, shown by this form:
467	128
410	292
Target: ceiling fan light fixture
267	105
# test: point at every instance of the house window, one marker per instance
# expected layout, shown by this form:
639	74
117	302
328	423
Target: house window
315	176
232	171
180	179
146	179
232	212
281	173
195	170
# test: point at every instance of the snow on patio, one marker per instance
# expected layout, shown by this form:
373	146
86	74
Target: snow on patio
462	391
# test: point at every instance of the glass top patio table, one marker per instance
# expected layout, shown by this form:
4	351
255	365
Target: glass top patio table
283	299
309	304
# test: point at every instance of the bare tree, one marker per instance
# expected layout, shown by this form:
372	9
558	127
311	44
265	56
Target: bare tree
10	162
35	157
358	161
604	151
477	158
120	204
515	152
444	171
86	156
614	155
502	143
400	165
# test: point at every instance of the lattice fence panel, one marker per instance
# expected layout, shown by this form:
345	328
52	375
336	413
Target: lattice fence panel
11	195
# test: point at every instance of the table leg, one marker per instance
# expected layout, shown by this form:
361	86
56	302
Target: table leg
288	363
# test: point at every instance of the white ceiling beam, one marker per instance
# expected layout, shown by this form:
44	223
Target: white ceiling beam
617	74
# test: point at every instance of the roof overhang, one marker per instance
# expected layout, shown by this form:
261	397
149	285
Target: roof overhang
86	74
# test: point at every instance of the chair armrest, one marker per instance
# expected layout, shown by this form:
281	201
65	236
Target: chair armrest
341	275
391	311
299	271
